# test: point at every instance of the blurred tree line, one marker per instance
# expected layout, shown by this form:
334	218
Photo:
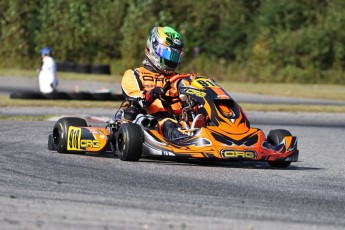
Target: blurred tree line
248	40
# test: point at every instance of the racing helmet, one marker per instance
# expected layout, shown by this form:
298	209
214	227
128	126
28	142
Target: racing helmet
164	49
46	51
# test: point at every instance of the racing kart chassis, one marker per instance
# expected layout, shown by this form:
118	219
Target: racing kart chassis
214	124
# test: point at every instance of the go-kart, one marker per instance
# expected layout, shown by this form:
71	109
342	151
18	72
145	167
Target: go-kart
214	127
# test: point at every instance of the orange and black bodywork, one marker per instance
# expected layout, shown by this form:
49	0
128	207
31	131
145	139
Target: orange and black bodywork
210	143
227	134
87	139
224	134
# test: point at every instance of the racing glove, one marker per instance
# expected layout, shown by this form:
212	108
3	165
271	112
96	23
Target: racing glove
153	94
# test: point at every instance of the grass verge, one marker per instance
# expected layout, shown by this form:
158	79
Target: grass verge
317	91
6	102
320	91
25	118
293	108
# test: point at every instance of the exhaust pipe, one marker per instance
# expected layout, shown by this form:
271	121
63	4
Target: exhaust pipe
153	123
145	122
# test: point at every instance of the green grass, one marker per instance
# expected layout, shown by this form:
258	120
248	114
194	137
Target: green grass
25	118
293	108
6	102
334	92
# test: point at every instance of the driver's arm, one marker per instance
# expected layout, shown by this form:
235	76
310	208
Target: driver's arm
133	88
131	85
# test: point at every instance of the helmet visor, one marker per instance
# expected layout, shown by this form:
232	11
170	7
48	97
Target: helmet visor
169	53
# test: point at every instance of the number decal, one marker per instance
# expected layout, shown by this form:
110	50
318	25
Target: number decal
74	135
206	83
203	83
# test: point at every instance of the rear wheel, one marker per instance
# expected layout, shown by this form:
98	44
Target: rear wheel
129	139
274	137
60	131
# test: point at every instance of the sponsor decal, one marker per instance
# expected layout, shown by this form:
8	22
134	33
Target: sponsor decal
73	139
233	153
202	82
196	93
89	143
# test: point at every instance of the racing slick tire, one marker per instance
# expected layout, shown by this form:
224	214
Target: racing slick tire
27	95
60	131
56	96
51	145
129	139
82	96
274	137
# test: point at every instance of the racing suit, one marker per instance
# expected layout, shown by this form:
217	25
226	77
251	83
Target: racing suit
137	84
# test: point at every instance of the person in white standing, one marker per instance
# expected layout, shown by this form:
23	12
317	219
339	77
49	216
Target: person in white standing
47	76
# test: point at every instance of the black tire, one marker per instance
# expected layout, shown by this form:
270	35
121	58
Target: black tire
274	137
83	68
57	96
51	145
129	139
117	97
60	67
65	67
102	96
82	96
100	69
60	131
27	95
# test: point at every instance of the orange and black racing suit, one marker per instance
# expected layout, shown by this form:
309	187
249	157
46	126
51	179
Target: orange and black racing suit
136	83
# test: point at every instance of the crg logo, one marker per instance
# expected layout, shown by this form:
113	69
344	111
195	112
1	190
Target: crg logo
89	144
233	153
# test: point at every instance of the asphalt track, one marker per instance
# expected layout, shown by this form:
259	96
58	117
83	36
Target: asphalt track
40	189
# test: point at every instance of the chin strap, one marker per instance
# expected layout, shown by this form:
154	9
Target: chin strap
151	67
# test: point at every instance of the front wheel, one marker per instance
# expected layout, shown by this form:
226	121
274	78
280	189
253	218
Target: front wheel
60	132
275	137
129	140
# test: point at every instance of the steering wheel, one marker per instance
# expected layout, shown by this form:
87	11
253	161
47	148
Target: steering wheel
172	80
167	100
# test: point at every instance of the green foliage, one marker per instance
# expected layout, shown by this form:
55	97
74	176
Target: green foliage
299	41
66	24
16	23
247	40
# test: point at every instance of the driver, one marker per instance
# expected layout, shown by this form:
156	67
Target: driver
164	51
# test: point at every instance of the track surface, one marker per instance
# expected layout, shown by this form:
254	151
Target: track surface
46	190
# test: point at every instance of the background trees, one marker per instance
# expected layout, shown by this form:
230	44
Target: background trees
257	40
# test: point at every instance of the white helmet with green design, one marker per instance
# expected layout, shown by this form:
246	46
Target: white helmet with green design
164	49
